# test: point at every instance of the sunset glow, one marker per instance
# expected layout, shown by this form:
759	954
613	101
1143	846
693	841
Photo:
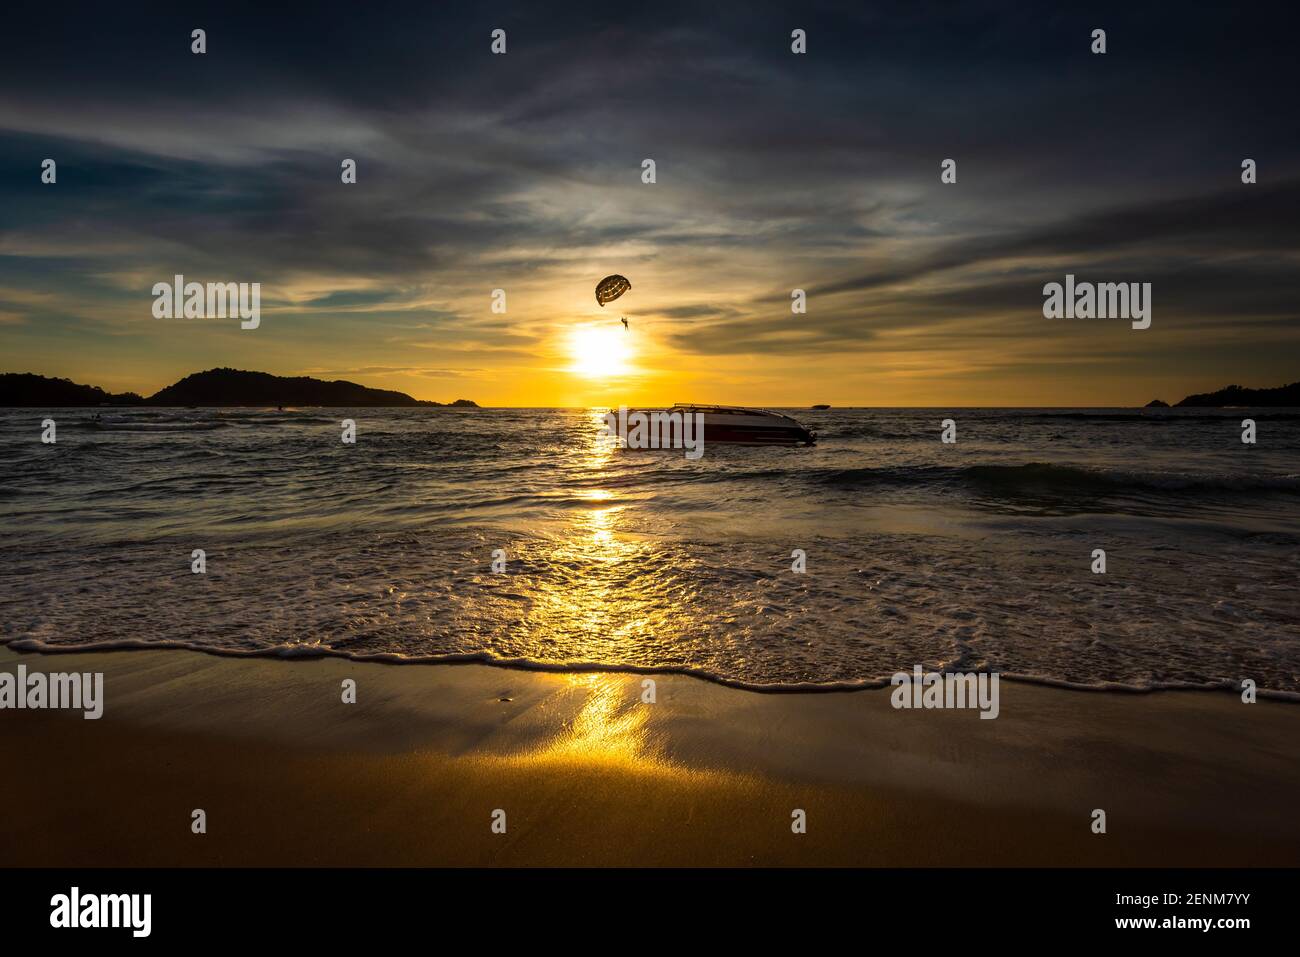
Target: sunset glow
917	292
600	351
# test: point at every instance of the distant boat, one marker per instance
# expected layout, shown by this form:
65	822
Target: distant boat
819	407
738	426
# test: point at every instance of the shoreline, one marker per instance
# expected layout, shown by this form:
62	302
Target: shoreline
31	646
590	774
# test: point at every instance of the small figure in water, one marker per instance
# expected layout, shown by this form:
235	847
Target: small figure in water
623	319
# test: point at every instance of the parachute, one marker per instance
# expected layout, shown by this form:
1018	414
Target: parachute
610	288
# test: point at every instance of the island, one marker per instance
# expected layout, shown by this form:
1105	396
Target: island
1287	396
216	387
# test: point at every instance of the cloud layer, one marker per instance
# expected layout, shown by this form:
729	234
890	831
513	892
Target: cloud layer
774	171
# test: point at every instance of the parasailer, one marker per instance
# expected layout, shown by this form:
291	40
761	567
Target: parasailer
610	288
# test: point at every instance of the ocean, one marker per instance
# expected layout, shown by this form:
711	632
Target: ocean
974	556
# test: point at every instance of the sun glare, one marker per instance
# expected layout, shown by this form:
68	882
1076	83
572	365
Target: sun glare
600	351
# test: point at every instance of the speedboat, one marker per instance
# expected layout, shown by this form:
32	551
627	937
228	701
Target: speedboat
739	426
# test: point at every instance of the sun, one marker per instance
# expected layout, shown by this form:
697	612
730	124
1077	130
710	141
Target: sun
600	351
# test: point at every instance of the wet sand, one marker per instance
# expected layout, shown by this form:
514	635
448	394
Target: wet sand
587	774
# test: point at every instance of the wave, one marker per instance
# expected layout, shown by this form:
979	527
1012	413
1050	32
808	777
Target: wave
202	427
315	651
828	432
175	425
1167	416
1044	477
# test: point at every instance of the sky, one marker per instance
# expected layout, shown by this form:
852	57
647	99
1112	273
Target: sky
774	171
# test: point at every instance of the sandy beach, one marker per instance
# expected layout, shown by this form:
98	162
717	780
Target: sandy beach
589	775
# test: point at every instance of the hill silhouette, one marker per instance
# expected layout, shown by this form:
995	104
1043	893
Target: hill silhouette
26	389
215	387
1286	396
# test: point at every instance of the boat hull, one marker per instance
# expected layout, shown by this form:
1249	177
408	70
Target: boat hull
756	435
744	427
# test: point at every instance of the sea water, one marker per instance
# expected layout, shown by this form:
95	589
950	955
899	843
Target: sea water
972	556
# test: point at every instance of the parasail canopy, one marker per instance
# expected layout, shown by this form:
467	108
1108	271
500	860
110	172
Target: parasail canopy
610	288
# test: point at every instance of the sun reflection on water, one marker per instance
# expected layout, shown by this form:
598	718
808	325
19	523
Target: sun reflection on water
607	599
604	592
608	588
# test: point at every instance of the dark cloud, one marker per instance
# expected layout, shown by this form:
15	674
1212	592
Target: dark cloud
818	171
